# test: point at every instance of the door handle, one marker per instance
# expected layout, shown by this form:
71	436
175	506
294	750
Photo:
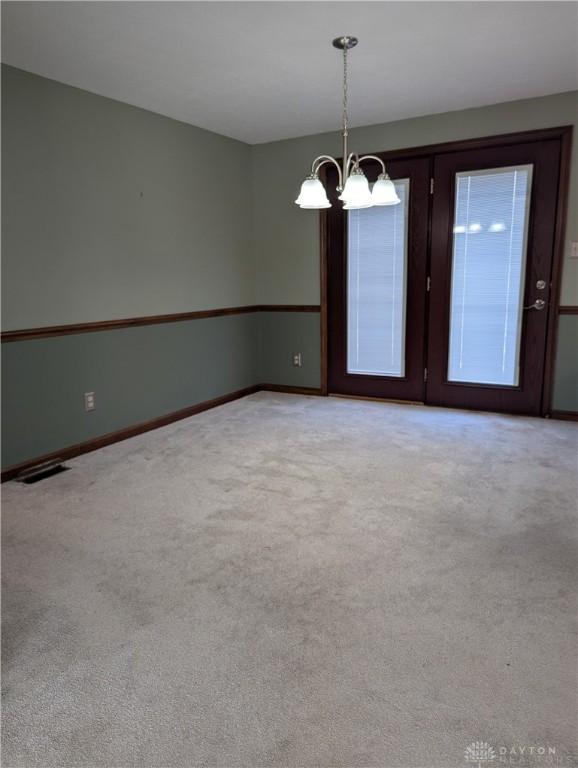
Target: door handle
539	304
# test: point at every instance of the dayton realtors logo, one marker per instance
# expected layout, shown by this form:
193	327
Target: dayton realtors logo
479	752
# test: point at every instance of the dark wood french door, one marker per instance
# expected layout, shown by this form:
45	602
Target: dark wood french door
361	360
493	226
444	298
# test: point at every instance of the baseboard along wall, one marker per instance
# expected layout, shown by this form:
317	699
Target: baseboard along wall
72	451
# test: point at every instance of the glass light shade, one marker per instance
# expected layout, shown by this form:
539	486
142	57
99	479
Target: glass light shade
312	194
356	206
356	192
383	192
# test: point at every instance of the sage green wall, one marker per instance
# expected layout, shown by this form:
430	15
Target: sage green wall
281	335
137	374
110	211
286	239
566	384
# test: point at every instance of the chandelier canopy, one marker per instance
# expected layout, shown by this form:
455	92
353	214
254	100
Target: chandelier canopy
353	184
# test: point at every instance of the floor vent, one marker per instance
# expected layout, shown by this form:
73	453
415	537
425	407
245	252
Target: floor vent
41	472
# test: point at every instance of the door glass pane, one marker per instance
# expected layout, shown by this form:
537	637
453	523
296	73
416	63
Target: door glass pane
488	268
376	287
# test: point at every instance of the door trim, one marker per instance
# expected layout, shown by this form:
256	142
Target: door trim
564	135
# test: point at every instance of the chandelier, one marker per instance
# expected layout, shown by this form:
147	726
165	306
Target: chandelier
353	184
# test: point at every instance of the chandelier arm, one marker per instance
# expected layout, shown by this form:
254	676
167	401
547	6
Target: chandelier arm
373	157
323	160
352	159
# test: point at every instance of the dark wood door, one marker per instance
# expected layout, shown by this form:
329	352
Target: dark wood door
376	277
492	239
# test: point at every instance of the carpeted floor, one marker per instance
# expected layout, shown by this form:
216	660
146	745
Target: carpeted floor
296	581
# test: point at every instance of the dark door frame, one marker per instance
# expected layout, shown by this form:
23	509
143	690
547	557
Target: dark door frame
564	135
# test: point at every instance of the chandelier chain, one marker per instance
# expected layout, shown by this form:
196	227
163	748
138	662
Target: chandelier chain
345	73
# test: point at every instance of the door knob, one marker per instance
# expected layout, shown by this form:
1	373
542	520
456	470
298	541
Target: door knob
538	304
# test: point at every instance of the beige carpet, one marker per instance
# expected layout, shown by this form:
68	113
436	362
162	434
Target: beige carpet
297	581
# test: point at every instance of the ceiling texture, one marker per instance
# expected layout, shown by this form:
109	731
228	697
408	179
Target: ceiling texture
262	71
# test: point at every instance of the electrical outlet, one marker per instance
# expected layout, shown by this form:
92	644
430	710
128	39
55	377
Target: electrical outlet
297	360
574	249
89	401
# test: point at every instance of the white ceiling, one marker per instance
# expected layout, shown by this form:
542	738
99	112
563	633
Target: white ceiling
261	71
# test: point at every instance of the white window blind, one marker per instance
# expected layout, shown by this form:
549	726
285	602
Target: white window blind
488	268
376	287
